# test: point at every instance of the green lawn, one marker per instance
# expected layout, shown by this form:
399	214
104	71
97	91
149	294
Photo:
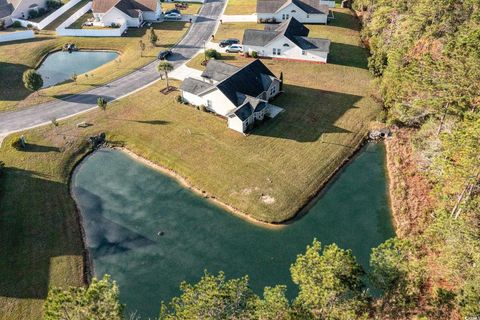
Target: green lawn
241	7
16	57
327	112
54	24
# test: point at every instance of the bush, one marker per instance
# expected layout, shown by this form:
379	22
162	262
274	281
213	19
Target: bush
16	24
41	12
53	4
115	25
29	26
179	99
254	54
32	14
203	108
2	24
2	167
212	54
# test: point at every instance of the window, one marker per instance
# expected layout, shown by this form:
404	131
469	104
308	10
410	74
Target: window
274	51
285	16
286	45
272	90
209	103
304	52
278	52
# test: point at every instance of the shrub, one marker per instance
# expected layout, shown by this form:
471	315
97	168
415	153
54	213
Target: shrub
16	24
254	54
53	4
115	25
179	99
212	54
2	167
2	24
29	26
203	108
32	14
41	11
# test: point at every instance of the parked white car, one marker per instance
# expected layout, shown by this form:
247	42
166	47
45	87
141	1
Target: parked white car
234	48
173	16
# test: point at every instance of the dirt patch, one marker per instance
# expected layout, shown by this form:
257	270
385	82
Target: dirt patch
410	197
267	199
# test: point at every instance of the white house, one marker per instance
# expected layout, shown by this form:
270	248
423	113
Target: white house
18	9
240	94
329	3
288	40
131	12
305	11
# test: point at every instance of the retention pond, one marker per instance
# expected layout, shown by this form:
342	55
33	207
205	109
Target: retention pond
150	233
60	66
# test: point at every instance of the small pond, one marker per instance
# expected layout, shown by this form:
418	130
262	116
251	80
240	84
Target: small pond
60	66
125	204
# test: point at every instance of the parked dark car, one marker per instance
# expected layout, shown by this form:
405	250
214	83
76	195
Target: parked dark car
228	42
173	11
164	54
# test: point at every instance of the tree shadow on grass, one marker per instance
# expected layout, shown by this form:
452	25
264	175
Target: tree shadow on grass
11	85
29	147
37	225
344	20
308	114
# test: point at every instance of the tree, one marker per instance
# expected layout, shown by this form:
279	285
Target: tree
396	273
153	37
32	80
99	301
274	306
102	103
165	67
330	284
213	297
141	45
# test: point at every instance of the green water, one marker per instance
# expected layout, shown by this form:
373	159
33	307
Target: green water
125	204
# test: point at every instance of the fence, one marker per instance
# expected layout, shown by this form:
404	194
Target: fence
18	35
63	31
45	22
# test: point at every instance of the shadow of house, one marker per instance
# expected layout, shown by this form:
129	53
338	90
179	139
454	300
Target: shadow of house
348	55
308	114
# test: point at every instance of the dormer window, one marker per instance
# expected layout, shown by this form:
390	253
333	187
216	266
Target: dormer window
286	45
294	11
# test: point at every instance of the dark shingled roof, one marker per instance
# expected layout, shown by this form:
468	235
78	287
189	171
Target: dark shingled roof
250	106
194	86
6	8
248	81
292	30
315	44
309	6
218	71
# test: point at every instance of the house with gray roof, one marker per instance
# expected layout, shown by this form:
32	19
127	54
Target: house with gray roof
287	40
131	12
305	11
19	9
240	94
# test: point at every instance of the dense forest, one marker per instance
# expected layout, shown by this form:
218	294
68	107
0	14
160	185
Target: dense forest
425	56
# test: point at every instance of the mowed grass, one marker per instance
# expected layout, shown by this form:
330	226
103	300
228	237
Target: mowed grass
19	56
327	111
241	7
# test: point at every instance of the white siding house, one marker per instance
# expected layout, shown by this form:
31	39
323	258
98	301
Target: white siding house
18	9
287	40
305	11
133	13
240	95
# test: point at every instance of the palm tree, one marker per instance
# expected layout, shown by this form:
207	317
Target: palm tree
165	67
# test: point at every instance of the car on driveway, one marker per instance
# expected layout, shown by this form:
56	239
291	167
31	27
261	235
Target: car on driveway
173	11
228	42
173	16
163	55
234	48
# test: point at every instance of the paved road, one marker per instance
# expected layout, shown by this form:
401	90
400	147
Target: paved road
201	31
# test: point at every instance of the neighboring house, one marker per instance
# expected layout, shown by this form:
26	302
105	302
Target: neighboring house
18	9
131	12
305	11
288	40
239	94
329	3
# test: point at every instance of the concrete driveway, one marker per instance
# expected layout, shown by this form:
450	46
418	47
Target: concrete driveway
201	31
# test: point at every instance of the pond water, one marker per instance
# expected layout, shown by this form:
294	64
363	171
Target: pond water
125	204
60	66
